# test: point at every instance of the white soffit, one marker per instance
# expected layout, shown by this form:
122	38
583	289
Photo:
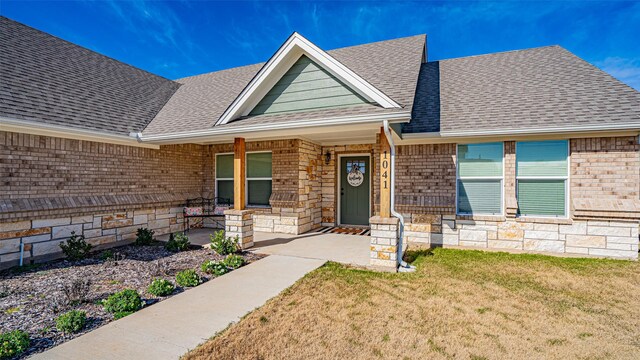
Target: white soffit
282	61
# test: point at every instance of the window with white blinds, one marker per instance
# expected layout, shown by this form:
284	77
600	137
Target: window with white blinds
542	170
479	179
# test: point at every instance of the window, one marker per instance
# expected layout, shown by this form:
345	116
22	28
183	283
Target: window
224	176
258	178
541	175
480	179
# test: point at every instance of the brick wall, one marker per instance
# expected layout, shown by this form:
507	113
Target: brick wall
604	188
604	178
46	177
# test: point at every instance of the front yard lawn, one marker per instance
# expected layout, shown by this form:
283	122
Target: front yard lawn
460	304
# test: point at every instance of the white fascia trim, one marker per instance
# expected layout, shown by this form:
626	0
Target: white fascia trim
35	128
400	117
244	103
535	131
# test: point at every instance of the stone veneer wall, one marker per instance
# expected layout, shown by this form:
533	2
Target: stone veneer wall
42	237
296	197
52	186
604	185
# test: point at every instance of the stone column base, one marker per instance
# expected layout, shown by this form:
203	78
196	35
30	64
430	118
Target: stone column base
384	243
239	223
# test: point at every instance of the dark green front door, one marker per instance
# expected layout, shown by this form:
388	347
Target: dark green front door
354	190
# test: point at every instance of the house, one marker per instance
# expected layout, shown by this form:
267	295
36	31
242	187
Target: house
532	150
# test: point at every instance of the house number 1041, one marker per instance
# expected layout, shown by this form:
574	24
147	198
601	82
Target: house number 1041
385	169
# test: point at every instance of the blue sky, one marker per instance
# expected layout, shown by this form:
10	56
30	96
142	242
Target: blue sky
180	38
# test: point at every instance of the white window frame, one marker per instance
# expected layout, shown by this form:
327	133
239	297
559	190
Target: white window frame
246	180
565	178
215	170
501	178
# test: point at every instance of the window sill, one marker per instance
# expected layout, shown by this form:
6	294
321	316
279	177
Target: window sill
544	220
481	217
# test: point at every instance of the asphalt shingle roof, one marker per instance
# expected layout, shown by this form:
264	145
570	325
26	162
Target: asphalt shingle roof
546	87
48	80
392	66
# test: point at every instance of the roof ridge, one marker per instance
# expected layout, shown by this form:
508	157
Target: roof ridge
501	52
84	48
327	51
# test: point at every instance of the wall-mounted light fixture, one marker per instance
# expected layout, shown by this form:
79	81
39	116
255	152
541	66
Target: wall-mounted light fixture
327	158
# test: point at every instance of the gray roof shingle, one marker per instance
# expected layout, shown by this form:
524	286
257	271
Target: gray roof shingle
48	80
546	87
392	66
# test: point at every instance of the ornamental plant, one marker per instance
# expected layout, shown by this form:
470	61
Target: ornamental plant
223	245
13	343
123	303
233	261
188	278
178	242
75	248
161	287
144	236
216	268
71	321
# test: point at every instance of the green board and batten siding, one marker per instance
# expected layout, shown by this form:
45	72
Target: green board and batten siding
306	86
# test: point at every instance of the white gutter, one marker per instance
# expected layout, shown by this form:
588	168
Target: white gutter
402	266
240	129
39	128
526	131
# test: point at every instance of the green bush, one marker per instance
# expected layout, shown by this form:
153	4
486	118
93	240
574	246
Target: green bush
75	248
179	242
160	287
216	268
144	236
188	278
106	255
223	245
71	322
127	300
13	343
121	314
233	261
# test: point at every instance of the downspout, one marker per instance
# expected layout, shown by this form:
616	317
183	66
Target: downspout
402	266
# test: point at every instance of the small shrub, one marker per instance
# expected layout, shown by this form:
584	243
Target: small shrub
179	242
161	287
127	300
144	236
75	248
188	278
76	291
121	314
233	261
216	268
13	343
106	255
223	245
71	322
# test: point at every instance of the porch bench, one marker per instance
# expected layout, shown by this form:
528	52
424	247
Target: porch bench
206	208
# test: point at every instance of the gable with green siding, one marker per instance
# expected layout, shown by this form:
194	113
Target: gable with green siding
306	86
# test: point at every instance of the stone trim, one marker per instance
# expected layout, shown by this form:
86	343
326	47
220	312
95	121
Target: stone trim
102	230
239	223
384	243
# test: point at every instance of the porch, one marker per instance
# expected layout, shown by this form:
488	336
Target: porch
345	249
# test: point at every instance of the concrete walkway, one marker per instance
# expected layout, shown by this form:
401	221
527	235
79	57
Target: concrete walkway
346	249
172	327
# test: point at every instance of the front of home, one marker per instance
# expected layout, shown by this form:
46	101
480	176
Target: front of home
532	150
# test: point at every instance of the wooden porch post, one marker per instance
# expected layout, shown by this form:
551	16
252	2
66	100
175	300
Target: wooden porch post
385	176
239	174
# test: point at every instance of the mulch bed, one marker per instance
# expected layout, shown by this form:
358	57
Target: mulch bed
31	297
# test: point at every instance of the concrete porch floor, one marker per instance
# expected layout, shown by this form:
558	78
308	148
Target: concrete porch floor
346	249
